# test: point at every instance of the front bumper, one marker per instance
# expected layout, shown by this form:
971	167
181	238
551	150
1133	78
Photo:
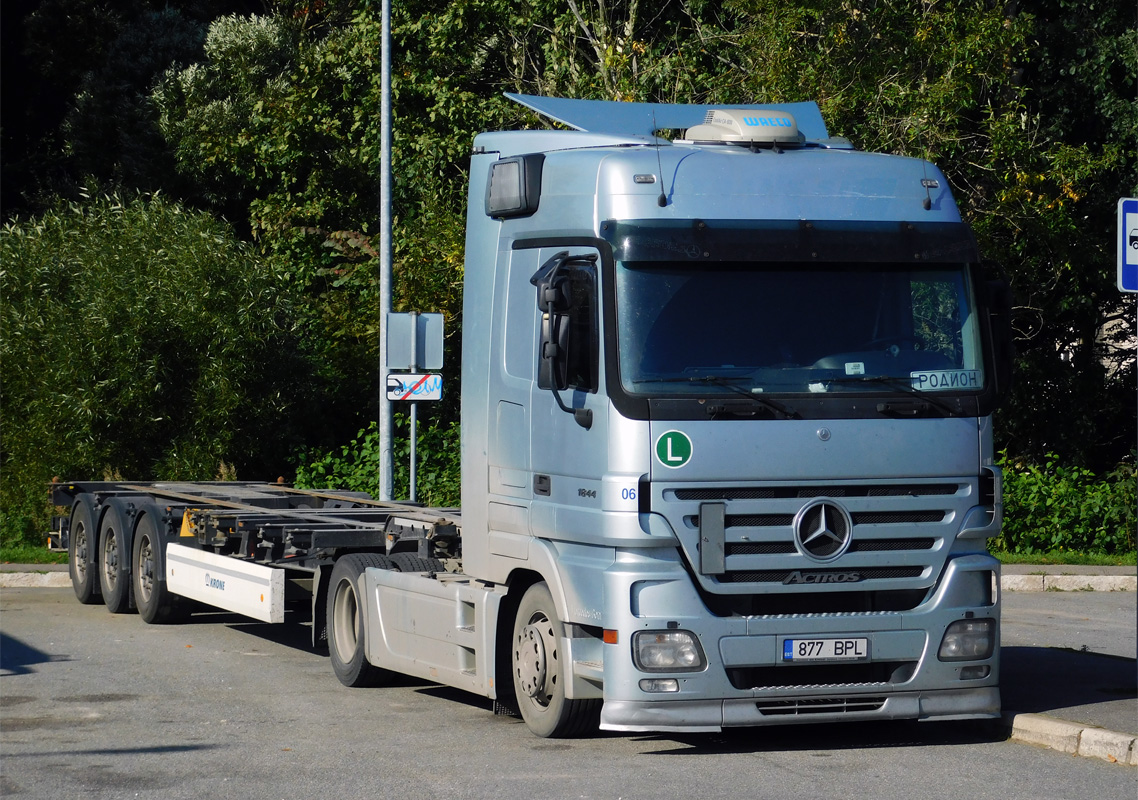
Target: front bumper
697	716
746	682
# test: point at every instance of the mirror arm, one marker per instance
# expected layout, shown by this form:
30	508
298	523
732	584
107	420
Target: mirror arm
583	416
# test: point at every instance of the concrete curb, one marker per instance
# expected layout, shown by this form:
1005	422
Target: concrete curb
1074	738
42	580
1069	583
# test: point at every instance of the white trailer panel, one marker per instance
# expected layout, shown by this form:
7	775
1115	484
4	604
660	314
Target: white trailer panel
251	589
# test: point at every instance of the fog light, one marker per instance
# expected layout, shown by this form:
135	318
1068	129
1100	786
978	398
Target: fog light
968	640
667	651
975	672
659	685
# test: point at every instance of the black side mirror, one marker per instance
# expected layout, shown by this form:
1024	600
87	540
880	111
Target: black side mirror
555	300
553	368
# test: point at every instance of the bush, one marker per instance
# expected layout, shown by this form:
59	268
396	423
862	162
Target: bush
355	466
1059	508
140	340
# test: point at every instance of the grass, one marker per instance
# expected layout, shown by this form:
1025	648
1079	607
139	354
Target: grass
1066	557
30	554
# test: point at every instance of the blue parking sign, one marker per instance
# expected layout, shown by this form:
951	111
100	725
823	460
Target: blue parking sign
1128	244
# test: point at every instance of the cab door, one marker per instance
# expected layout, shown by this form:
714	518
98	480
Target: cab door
569	421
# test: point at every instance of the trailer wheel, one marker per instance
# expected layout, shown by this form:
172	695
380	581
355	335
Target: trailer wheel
540	672
113	567
81	553
346	642
156	604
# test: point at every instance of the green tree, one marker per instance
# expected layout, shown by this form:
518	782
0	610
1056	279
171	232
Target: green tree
1061	170
141	340
77	75
1028	107
1030	110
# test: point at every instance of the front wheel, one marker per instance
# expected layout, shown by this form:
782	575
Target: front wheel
540	671
346	634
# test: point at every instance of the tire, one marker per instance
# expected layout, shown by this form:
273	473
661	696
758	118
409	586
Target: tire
540	673
347	640
81	543
411	562
114	565
156	604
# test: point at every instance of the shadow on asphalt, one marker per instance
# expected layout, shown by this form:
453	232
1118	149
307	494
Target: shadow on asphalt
819	740
18	658
1048	680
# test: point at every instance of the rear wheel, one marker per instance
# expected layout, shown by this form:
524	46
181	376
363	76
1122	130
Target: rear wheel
114	566
412	562
81	553
540	672
346	636
156	604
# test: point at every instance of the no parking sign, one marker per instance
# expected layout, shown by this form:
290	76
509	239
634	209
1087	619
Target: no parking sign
1128	244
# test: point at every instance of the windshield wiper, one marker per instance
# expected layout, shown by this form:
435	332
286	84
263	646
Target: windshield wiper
731	384
925	403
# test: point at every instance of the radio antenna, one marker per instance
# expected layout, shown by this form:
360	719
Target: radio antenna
662	200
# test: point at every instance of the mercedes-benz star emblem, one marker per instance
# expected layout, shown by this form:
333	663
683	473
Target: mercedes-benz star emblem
822	530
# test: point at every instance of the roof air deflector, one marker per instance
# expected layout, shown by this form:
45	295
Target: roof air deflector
630	119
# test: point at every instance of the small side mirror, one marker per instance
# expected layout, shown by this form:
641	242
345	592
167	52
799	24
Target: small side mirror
553	368
555	294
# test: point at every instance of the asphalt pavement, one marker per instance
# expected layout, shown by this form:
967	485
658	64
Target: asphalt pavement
1068	668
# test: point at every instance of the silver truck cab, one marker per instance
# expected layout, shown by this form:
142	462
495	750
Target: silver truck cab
729	397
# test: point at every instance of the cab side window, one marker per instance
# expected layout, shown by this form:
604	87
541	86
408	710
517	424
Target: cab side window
582	357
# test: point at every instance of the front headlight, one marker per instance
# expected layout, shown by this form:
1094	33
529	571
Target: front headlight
667	651
968	640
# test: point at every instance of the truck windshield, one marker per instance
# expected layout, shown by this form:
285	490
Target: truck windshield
793	328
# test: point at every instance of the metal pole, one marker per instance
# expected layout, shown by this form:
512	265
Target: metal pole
412	495
414	406
385	426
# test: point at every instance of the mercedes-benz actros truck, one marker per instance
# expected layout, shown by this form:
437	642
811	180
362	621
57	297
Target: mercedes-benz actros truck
726	448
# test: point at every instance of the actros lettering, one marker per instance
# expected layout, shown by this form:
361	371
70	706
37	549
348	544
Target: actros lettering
798	576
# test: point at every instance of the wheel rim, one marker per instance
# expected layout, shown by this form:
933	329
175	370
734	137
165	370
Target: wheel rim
110	558
145	569
535	656
345	621
79	563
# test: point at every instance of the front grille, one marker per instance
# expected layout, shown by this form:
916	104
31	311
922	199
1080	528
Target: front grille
896	517
830	490
865	546
861	518
819	705
758	520
873	673
891	545
759	548
768	603
899	534
780	575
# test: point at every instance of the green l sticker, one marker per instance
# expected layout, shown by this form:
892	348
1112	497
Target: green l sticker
673	449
